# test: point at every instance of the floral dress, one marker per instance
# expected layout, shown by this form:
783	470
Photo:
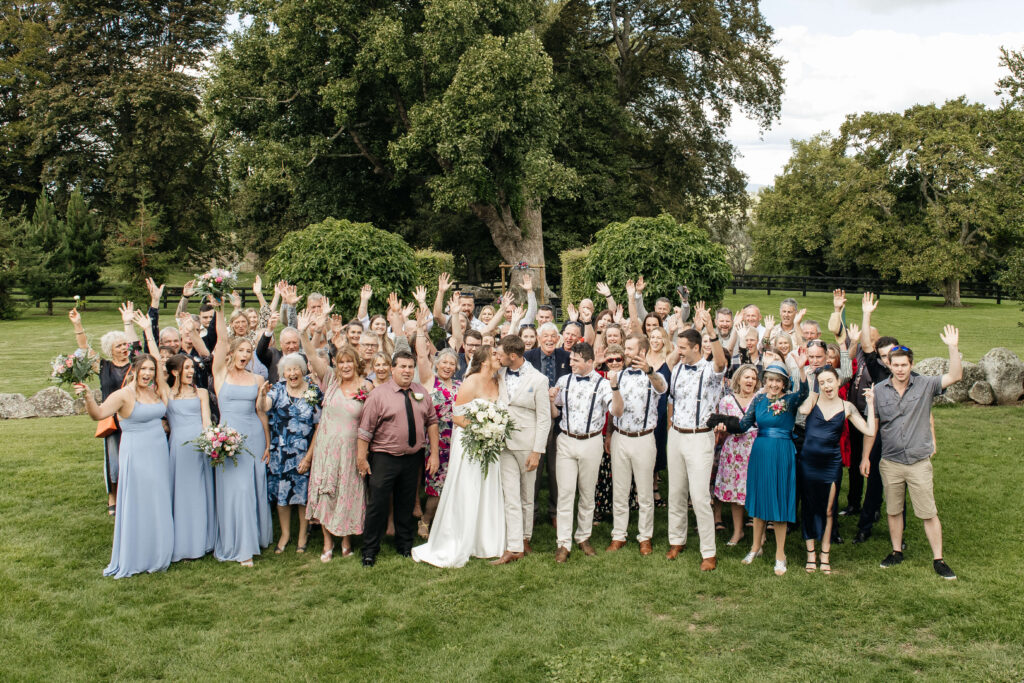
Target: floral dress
292	423
337	497
731	482
444	401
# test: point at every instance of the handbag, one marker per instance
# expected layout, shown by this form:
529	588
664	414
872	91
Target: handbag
108	425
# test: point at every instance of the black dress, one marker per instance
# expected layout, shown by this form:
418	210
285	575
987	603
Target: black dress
111	378
821	466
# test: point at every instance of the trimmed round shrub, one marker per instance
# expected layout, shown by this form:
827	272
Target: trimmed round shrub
667	253
336	257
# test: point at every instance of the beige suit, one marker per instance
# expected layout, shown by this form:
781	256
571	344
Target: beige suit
531	413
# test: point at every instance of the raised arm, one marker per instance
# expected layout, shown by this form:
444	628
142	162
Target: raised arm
457	333
317	364
867	307
606	292
424	359
365	292
142	321
499	315
531	301
257	289
951	338
76	321
812	397
108	408
636	326
867	427
220	351
155	294
444	283
127	310
186	292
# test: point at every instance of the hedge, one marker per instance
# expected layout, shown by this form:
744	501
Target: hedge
574	280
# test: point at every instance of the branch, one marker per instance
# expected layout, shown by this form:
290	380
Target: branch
378	165
272	101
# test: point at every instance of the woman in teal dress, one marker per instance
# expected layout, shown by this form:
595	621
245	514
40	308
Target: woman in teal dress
771	471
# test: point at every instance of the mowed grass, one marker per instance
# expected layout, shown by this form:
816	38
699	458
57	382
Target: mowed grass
610	617
27	344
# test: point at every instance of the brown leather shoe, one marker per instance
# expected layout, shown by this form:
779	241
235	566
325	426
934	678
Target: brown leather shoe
674	550
507	557
562	555
646	548
708	564
614	545
587	549
527	550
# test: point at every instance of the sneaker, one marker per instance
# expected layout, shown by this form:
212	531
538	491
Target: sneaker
943	570
891	560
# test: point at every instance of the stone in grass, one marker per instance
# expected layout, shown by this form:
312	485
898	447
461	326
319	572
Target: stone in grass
53	402
1004	371
15	406
981	393
958	391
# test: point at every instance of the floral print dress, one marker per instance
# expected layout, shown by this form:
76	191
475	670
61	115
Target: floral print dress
444	402
292	423
731	481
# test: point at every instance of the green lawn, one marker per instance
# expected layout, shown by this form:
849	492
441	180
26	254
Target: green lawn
611	617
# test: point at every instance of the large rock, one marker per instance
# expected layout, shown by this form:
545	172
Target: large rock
97	396
959	391
981	393
1005	373
53	402
931	366
13	406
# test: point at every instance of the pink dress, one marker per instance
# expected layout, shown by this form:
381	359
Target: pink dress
337	497
731	482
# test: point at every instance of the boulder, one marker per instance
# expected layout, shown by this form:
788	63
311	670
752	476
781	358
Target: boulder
14	406
97	396
931	366
958	392
981	393
53	402
1004	371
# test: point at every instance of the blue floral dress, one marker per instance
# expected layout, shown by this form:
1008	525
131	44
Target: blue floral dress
292	423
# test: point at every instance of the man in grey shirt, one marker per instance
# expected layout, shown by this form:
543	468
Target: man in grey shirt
903	403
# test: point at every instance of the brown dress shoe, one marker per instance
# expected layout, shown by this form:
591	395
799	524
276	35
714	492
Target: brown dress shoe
527	550
507	557
587	549
708	564
646	548
674	550
562	555
614	545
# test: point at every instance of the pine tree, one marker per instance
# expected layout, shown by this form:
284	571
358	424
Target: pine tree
85	246
46	267
132	249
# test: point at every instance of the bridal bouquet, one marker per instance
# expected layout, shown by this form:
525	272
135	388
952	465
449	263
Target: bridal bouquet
73	368
220	442
216	282
489	427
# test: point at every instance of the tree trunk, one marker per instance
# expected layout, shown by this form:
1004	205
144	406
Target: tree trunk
517	241
951	292
49	306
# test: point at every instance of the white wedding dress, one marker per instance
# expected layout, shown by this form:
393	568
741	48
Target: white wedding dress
470	517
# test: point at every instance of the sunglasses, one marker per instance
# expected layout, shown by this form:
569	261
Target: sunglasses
613	360
816	342
899	348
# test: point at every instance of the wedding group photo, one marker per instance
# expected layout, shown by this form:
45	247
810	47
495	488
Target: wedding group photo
571	341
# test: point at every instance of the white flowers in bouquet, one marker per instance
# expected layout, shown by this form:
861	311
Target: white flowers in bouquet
489	428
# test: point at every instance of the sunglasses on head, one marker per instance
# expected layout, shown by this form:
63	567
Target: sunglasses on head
816	342
899	348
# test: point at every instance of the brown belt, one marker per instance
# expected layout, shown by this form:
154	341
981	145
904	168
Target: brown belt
582	437
643	433
699	430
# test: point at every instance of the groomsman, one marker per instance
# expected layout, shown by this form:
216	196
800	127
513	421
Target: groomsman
582	399
525	391
694	390
633	449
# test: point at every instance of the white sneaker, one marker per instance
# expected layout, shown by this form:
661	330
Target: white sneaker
751	556
780	567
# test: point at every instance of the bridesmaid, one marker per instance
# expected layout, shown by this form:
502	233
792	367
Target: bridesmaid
337	496
188	414
143	527
243	511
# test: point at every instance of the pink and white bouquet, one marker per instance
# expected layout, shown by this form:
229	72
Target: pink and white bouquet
216	282
74	368
489	427
220	442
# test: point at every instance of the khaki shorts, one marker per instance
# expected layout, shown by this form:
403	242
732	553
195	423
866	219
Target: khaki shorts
918	480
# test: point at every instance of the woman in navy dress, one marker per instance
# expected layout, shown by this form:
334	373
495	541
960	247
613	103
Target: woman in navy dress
771	471
143	527
188	414
821	460
243	512
293	410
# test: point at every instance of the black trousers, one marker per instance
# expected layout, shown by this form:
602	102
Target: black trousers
547	463
873	491
396	475
856	480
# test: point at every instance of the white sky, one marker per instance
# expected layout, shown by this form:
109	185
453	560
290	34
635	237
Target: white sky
851	56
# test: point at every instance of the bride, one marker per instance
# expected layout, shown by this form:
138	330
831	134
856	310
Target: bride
470	518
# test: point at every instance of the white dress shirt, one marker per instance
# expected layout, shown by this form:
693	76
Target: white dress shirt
640	402
694	391
583	400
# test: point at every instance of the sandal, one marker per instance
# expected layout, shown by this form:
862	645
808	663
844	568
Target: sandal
731	542
346	552
326	555
751	556
246	563
111	510
719	526
826	566
424	529
278	549
300	549
810	565
780	567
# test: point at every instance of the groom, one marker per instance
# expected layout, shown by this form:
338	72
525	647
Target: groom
525	391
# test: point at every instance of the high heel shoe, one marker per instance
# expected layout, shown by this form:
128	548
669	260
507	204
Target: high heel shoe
826	566
731	542
327	555
751	556
780	567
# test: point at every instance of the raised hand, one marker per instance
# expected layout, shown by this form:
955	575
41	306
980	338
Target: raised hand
279	288
838	299
527	281
799	316
853	333
236	300
950	336
869	303
304	321
75	317
275	318
141	319
630	287
619	315
640	285
444	282
603	289
420	294
408	309
455	303
869	395
154	292
365	292
422	317
337	322
327	308
257	285
574	315
394	303
127	312
517	316
290	294
185	325
507	299
769	323
189	289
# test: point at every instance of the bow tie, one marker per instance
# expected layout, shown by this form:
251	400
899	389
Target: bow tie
583	379
689	367
512	373
634	372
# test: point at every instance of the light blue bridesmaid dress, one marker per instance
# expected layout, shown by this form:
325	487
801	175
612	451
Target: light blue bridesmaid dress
195	520
243	512
143	527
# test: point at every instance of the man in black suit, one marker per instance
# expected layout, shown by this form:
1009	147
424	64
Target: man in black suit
553	362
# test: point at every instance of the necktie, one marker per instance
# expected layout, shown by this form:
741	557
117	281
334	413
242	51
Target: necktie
689	367
410	420
547	363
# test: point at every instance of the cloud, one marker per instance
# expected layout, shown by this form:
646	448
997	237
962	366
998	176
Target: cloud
829	77
886	6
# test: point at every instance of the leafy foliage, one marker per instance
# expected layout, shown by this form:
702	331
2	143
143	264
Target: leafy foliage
336	257
45	270
666	252
85	246
9	309
430	264
575	285
132	249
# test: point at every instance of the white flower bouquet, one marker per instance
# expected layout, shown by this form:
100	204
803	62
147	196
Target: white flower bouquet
216	282
489	427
